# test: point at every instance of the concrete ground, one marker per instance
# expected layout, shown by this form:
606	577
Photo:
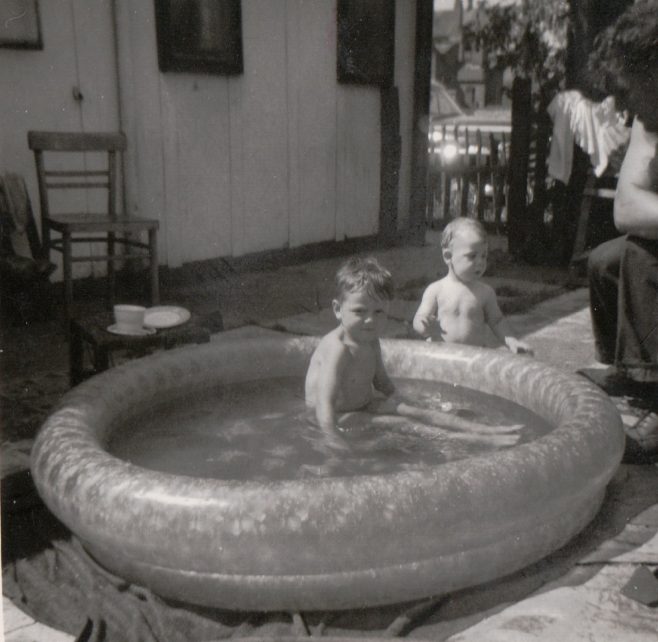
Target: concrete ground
592	589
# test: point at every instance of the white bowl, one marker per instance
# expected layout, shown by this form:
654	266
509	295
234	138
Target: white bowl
129	317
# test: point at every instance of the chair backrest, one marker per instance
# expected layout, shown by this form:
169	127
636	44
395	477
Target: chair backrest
110	143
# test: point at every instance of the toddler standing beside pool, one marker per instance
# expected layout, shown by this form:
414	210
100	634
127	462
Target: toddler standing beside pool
460	307
346	373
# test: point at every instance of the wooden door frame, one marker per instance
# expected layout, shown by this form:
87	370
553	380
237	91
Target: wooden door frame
420	119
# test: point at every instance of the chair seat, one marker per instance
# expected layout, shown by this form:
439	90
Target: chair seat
99	223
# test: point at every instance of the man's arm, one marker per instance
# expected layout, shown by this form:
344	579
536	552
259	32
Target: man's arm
426	311
636	201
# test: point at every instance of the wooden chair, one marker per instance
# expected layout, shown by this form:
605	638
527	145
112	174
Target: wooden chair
87	227
596	189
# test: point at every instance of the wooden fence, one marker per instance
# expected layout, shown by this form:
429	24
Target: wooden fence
468	176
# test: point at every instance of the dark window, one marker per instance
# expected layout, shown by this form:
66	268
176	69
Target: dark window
366	41
199	35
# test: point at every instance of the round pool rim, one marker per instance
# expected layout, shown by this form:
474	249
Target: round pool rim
331	543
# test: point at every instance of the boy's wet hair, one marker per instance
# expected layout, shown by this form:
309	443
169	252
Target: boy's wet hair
458	225
366	274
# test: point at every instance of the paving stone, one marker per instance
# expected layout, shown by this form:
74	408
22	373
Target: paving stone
521	286
642	587
648	517
37	633
646	553
13	617
636	543
570	614
594	610
611	577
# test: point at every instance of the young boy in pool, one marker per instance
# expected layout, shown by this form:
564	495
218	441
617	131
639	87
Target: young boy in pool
460	307
346	373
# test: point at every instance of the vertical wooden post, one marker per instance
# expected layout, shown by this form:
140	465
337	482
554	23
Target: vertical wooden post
391	145
421	108
518	163
493	176
446	180
465	172
534	220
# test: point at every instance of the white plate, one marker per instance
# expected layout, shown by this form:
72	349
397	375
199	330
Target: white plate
115	329
165	316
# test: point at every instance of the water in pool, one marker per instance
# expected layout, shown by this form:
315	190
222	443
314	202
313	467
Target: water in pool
258	430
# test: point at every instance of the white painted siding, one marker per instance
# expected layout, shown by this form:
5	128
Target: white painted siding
312	90
264	131
36	92
405	47
358	154
277	157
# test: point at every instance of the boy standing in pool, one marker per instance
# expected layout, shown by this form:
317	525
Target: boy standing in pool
460	307
346	373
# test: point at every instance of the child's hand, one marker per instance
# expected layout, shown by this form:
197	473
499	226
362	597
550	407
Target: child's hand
422	327
336	442
518	347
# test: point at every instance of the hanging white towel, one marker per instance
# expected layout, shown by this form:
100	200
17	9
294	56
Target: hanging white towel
597	128
560	155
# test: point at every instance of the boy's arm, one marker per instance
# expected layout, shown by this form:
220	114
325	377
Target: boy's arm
382	382
328	385
499	325
426	311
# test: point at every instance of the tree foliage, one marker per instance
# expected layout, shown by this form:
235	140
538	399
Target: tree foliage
529	38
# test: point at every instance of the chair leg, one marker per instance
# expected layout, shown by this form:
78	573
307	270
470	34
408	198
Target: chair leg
583	221
76	355
155	282
111	273
68	279
45	241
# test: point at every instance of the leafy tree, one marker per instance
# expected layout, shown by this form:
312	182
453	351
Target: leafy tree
529	38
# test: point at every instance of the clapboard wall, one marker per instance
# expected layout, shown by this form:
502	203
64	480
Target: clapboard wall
280	156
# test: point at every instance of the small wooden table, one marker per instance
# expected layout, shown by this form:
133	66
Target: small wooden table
92	331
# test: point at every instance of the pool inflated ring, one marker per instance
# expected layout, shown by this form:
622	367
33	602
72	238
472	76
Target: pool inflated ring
320	544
